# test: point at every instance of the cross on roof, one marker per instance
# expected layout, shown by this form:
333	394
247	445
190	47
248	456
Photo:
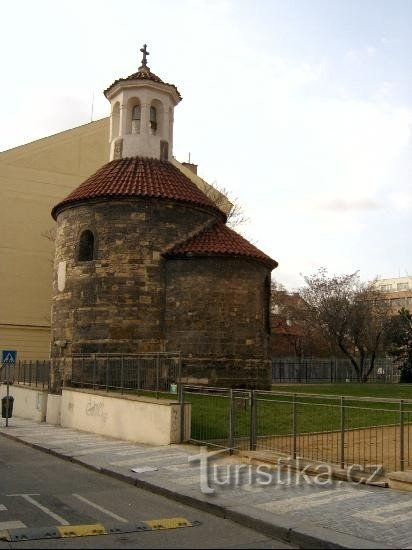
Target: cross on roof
145	54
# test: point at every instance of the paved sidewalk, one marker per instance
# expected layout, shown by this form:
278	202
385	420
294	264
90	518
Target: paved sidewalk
339	515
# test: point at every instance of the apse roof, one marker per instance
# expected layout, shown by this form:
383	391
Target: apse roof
220	240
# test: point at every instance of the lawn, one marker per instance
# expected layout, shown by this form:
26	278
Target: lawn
396	391
317	409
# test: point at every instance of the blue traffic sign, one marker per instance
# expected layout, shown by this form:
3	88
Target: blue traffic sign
8	356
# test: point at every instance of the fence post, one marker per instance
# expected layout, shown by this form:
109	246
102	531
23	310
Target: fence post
107	373
231	421
402	434
30	373
253	420
331	371
342	432
182	411
122	375
294	425
36	372
157	375
94	370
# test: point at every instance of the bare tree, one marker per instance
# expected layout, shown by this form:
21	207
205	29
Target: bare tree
350	314
290	322
222	198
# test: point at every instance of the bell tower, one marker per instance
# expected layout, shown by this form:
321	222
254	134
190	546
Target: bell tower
141	118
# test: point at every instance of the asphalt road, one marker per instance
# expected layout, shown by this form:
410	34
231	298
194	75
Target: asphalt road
39	490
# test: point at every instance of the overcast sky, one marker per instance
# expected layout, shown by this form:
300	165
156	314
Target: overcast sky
302	109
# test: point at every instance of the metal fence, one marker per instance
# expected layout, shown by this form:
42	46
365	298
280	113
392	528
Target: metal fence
31	373
346	431
148	372
295	370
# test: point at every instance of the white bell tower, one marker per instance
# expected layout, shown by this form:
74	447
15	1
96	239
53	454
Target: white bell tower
141	119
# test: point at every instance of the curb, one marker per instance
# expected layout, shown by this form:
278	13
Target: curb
303	535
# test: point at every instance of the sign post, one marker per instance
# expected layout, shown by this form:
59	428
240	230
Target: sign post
8	358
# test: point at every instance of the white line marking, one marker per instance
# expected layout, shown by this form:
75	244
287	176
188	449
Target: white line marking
381	515
2	508
12	525
29	498
317	499
107	512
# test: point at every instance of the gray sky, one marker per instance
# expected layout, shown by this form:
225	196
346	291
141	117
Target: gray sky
302	109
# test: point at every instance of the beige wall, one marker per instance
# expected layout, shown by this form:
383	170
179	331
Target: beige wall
28	403
33	178
30	342
139	419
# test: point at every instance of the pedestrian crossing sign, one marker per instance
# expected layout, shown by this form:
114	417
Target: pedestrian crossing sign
8	356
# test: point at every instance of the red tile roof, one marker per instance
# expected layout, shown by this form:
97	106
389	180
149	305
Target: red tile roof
138	177
144	73
219	240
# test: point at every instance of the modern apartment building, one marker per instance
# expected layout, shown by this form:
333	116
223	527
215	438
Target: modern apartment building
398	292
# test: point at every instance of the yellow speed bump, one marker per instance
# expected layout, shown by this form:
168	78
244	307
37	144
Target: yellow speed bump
4	535
81	530
168	523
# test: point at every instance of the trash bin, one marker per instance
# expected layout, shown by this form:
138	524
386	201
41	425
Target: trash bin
4	407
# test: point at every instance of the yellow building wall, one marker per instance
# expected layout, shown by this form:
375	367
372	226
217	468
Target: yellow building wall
33	178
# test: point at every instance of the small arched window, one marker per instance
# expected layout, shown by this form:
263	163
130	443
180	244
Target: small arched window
153	118
86	246
136	119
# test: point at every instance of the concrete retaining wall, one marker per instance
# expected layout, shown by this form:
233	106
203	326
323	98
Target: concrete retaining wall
129	417
138	419
30	403
54	403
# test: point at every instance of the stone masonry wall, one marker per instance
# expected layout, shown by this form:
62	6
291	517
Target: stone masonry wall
115	303
216	315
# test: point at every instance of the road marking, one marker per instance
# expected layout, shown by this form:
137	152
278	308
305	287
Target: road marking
2	508
29	498
381	515
98	507
82	530
4	525
316	499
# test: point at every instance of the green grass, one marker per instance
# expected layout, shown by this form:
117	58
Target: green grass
396	391
210	413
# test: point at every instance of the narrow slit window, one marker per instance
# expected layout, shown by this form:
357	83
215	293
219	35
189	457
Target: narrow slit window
86	246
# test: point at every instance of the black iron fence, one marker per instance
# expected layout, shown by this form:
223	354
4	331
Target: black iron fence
31	373
147	372
295	370
345	431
